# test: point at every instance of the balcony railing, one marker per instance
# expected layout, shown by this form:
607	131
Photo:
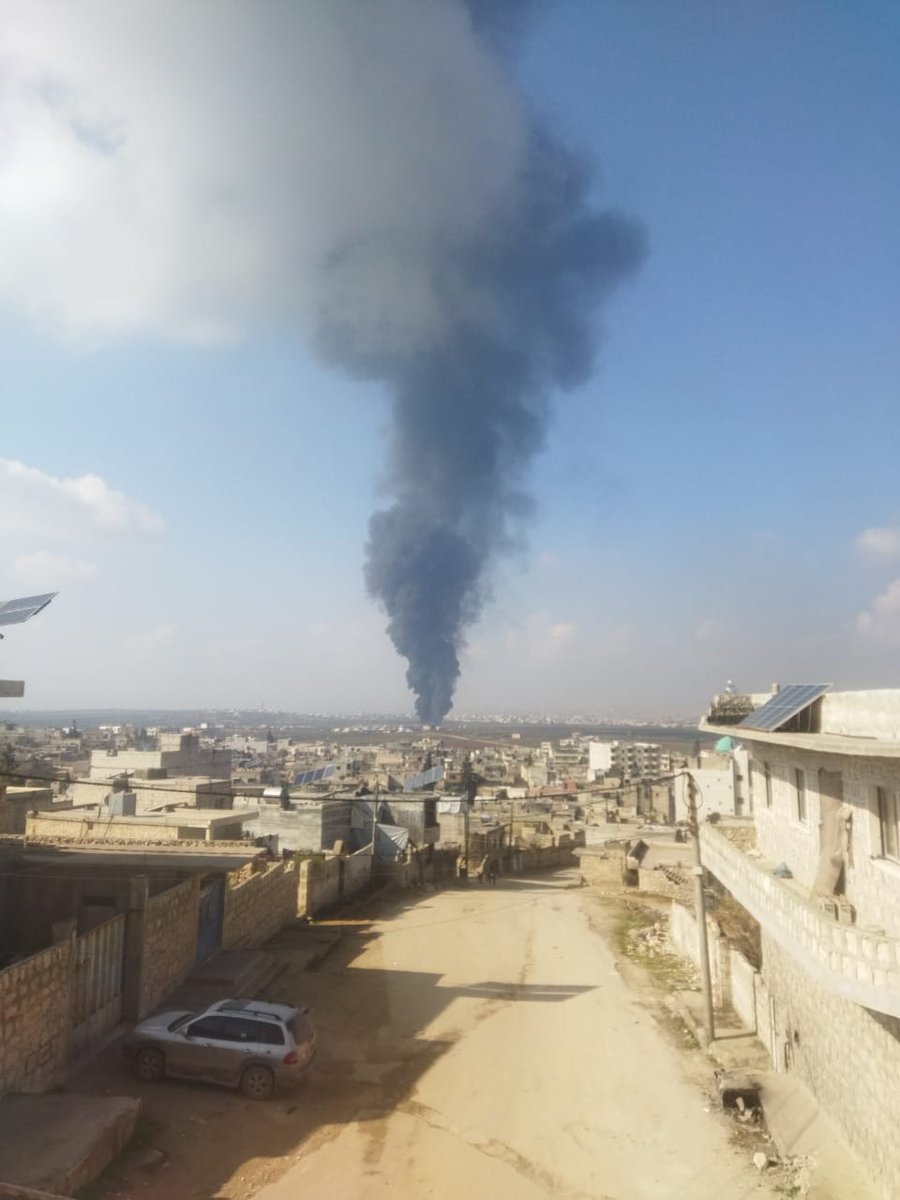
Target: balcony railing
848	961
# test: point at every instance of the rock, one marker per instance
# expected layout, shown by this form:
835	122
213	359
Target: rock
760	1160
151	1158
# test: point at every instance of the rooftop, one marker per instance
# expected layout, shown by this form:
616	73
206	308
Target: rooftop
863	723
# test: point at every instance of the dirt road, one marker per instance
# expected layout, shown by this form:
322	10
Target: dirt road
476	1042
503	1056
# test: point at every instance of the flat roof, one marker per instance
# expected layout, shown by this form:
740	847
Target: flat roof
180	817
820	743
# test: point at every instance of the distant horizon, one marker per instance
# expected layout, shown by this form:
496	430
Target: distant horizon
496	717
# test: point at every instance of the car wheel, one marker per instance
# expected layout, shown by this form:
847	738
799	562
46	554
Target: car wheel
150	1064
257	1083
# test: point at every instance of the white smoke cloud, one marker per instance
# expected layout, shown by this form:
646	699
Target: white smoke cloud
879	544
194	167
34	502
880	622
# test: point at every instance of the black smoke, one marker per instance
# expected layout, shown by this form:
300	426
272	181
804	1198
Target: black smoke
470	412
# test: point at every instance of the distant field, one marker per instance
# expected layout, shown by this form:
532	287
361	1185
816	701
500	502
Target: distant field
459	733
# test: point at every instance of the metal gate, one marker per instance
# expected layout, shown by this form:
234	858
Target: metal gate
97	981
209	918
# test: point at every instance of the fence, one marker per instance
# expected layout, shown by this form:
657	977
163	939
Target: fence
97	977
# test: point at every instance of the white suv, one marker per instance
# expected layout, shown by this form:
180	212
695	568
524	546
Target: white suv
247	1044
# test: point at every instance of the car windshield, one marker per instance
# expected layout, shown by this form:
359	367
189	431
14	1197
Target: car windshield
179	1021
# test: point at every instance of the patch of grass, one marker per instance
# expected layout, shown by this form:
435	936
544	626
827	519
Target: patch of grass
669	971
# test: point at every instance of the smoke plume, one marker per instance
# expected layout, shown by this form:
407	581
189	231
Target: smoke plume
367	174
469	414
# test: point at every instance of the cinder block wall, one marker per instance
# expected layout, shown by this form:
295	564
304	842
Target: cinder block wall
320	884
170	941
258	903
848	1056
35	1020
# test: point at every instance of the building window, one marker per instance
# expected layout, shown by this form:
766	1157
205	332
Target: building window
800	790
889	819
768	778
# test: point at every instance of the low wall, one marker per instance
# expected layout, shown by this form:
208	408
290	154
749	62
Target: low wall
326	881
734	980
357	871
259	899
35	1019
544	858
98	829
170	942
319	885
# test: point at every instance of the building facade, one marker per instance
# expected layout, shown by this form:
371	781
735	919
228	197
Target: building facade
824	885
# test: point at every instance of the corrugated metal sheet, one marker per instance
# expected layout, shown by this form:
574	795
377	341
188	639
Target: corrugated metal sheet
97	982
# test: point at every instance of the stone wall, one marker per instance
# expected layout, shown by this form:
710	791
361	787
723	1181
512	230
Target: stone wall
357	871
848	1056
603	870
170	942
543	858
35	1019
320	885
259	899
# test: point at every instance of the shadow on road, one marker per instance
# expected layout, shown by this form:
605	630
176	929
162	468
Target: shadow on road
214	1144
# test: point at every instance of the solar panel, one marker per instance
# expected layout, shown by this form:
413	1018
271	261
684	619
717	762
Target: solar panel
14	612
314	775
412	783
787	703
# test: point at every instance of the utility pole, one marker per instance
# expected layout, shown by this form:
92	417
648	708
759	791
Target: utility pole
374	820
700	909
512	808
466	835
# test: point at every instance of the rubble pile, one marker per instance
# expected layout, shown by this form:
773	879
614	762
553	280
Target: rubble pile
648	941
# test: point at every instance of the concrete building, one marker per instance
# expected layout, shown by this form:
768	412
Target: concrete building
177	754
310	822
823	883
723	783
184	824
627	759
17	802
154	795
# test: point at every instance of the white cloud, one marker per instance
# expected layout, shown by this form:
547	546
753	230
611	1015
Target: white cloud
881	620
141	189
33	502
880	543
146	645
42	570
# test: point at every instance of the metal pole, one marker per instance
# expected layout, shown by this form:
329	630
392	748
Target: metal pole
709	1026
374	819
509	849
466	834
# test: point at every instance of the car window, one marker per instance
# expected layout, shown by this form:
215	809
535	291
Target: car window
212	1027
269	1034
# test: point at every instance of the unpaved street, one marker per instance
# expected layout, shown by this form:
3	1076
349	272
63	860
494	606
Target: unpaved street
474	1042
503	1056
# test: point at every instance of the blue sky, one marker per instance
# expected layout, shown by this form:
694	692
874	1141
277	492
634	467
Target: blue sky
719	501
